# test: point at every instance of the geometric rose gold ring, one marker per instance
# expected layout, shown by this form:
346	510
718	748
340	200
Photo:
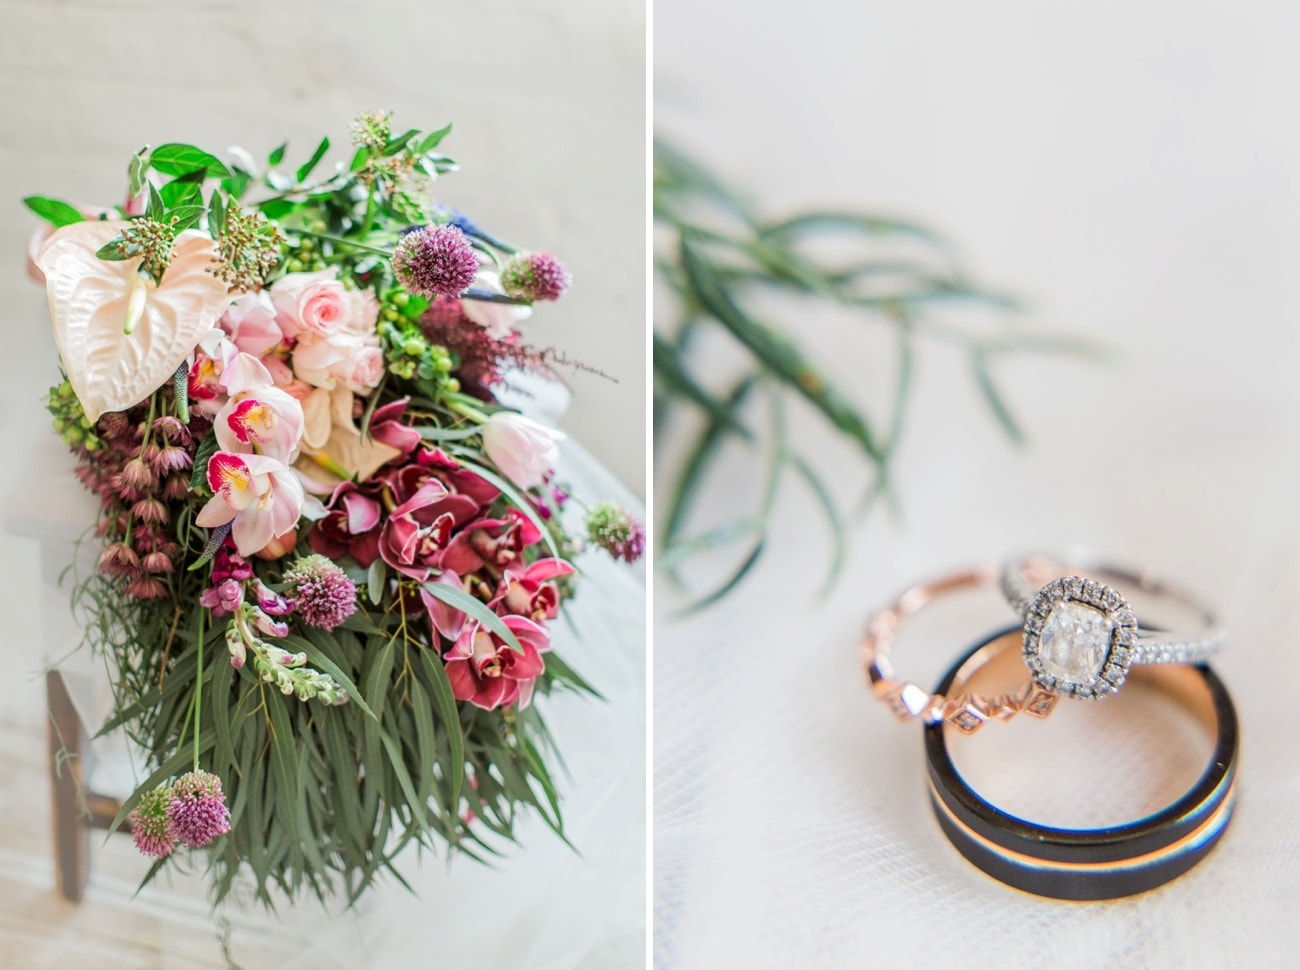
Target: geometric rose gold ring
966	711
1081	637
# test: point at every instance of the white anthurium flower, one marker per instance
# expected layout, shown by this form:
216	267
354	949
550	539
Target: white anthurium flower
122	336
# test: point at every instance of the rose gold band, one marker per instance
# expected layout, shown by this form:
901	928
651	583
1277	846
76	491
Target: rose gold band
966	711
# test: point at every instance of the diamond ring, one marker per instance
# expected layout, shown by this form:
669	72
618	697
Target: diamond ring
908	700
1081	636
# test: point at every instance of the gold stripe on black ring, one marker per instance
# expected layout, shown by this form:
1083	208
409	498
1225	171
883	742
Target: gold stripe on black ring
1087	863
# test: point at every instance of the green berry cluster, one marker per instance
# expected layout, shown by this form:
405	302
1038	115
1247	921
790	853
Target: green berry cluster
410	355
70	421
304	256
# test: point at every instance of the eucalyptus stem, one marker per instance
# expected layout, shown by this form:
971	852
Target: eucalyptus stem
198	688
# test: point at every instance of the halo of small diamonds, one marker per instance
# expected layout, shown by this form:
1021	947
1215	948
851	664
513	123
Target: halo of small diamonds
1103	611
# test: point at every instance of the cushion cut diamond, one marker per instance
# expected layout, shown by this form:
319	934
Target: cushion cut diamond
1074	642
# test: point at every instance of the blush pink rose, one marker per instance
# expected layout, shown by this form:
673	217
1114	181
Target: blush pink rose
367	369
346	358
250	323
311	303
365	311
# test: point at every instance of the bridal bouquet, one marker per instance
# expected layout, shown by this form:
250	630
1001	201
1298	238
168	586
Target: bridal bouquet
331	558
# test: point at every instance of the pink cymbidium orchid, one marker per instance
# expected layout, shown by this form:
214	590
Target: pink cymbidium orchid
259	496
122	336
531	591
487	672
265	421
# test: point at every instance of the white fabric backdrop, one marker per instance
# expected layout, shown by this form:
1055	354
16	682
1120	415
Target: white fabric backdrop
1130	168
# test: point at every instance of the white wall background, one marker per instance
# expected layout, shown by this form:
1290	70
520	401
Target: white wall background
548	101
1132	170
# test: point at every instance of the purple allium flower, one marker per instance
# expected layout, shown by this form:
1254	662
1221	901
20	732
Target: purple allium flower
197	810
534	277
435	261
322	593
617	531
151	826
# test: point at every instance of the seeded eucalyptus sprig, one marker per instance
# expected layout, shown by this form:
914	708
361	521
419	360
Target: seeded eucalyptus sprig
721	259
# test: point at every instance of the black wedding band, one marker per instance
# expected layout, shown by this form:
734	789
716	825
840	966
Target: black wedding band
1085	864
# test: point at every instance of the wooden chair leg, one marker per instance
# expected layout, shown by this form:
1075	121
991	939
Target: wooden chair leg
67	744
76	809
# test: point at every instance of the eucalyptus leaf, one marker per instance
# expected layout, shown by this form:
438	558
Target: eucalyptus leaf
475	609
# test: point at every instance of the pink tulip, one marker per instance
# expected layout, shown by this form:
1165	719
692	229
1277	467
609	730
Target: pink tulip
522	448
489	674
260	496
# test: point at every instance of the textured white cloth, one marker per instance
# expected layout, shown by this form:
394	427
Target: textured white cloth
1120	166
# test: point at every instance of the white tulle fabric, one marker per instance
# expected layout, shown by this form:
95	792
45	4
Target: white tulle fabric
791	821
544	905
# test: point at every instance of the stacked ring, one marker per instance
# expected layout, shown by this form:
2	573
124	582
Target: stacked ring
1080	638
1088	864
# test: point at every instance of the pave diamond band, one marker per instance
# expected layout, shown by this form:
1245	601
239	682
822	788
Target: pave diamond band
1081	636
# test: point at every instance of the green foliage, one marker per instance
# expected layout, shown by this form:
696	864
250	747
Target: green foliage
54	211
721	261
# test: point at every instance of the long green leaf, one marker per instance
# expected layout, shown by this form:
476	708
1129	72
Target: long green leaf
325	664
475	609
54	211
516	499
780	357
450	712
175	159
993	397
306	168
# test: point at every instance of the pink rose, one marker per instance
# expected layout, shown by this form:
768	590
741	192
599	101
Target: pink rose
523	449
367	369
327	360
365	311
311	303
250	323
